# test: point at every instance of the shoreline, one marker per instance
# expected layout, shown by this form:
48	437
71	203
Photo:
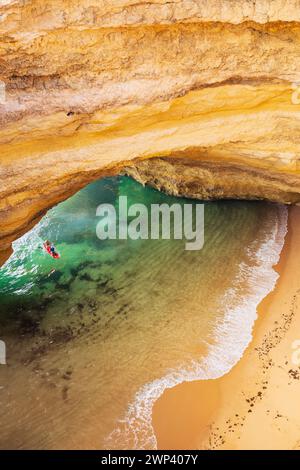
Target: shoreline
246	408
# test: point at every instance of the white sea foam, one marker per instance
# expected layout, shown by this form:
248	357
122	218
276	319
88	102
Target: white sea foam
23	248
231	337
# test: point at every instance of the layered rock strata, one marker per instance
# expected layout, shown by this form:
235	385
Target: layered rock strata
197	98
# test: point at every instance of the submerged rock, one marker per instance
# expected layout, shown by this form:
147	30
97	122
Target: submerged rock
88	88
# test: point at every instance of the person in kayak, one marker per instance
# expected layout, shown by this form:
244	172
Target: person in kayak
51	249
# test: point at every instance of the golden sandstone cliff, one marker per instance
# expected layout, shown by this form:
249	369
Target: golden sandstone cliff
196	97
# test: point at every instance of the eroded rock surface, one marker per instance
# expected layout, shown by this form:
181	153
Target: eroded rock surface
99	87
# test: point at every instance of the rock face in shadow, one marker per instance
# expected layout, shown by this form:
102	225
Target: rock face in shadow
211	178
91	88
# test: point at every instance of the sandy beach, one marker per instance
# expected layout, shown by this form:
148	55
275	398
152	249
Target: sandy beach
256	405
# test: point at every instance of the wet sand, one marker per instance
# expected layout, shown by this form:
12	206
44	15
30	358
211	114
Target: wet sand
91	345
256	405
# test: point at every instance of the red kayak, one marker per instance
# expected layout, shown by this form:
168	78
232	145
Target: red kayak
48	249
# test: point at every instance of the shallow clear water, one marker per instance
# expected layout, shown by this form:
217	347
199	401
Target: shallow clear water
95	337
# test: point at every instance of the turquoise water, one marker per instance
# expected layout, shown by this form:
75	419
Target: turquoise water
94	337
